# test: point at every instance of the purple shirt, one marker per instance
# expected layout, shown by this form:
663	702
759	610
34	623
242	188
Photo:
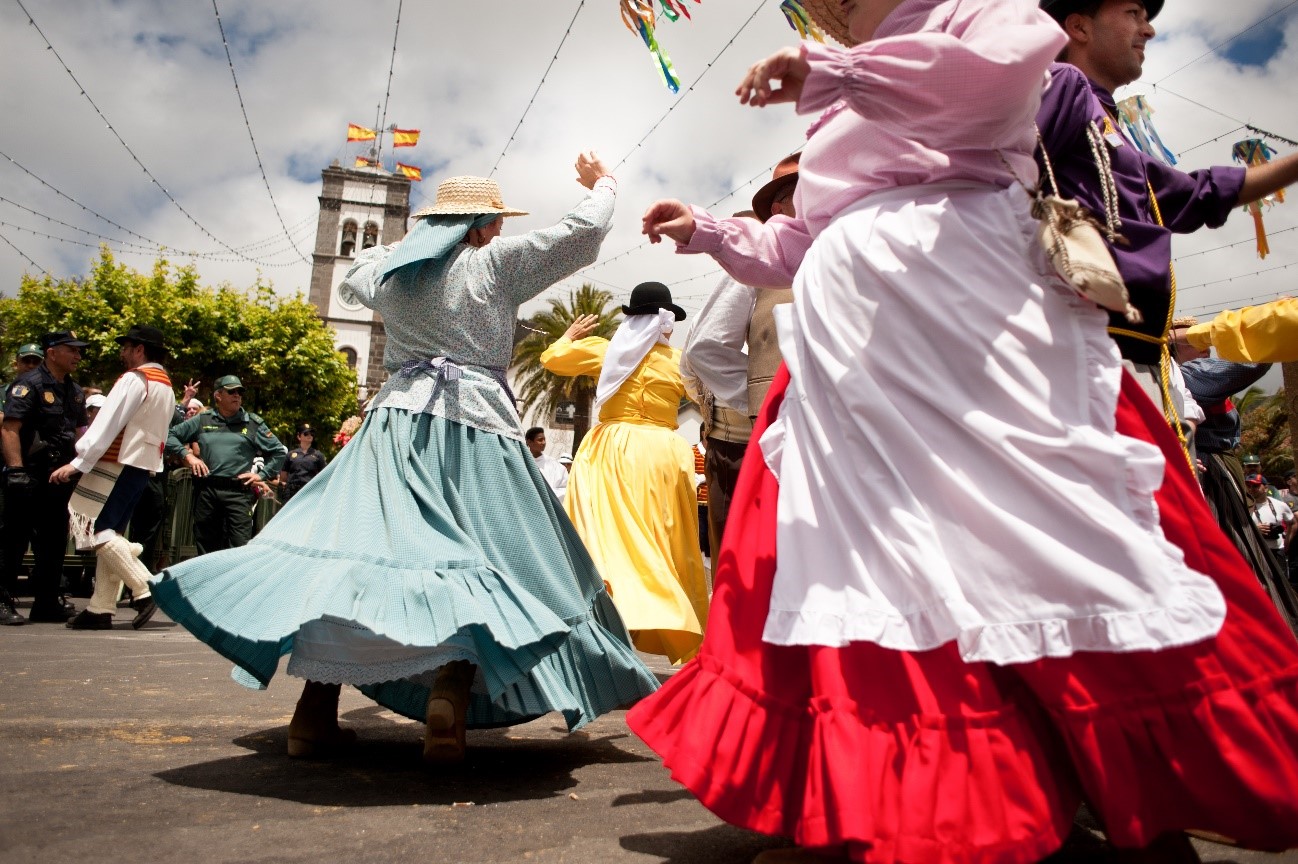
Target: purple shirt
1187	201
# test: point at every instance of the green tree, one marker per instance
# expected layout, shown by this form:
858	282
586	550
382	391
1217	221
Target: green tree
543	390
278	346
1265	432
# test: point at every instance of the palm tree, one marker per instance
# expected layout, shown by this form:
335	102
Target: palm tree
541	389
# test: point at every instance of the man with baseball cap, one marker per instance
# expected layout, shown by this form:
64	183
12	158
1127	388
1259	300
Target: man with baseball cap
44	411
229	439
1078	120
115	458
1273	517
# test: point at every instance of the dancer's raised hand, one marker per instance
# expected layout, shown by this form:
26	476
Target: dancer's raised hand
786	66
668	218
589	169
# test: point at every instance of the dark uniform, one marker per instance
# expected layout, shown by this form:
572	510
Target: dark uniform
36	510
301	466
223	505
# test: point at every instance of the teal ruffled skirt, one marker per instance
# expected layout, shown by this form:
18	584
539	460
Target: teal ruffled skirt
424	541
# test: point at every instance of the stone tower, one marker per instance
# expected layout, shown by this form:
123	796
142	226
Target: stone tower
359	208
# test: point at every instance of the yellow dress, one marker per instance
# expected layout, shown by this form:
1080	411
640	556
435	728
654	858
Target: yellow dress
631	495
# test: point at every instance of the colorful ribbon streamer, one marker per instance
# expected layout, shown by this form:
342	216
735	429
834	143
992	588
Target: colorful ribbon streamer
1254	151
639	17
799	20
1135	116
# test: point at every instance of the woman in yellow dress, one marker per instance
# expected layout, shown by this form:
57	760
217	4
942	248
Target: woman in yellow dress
631	493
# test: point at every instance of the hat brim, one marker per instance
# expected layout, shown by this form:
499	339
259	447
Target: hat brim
1061	9
121	340
75	343
828	15
766	196
653	310
452	210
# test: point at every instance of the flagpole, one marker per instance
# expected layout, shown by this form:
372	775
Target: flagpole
377	150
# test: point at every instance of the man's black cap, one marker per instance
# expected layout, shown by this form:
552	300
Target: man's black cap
144	335
1061	9
62	337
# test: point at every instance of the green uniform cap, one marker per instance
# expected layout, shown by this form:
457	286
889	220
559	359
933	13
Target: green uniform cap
228	382
31	349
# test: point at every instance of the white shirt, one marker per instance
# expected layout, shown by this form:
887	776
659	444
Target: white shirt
1271	511
126	398
714	354
554	473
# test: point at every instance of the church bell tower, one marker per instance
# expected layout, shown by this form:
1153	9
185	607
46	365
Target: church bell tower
359	208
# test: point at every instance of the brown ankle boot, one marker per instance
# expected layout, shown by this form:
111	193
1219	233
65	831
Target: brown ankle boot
446	713
314	733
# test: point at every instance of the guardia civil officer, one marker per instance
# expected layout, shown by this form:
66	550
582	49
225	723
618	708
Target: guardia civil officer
229	438
304	462
45	411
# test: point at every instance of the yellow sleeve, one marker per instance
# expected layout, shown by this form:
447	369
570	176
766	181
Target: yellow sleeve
570	359
1254	334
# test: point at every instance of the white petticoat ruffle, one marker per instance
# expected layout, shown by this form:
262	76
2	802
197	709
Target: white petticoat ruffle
947	454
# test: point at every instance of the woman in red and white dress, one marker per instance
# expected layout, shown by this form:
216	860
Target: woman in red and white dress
968	580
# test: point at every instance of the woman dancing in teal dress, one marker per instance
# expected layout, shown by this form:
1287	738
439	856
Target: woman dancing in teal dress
429	565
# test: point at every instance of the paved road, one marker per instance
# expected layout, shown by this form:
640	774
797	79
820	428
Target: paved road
136	746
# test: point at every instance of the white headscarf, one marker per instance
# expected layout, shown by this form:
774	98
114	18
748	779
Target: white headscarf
636	335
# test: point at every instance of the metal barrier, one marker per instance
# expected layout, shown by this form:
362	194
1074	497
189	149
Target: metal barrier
177	534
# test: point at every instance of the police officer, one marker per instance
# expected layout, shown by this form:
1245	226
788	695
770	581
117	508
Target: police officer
228	438
304	462
44	412
29	357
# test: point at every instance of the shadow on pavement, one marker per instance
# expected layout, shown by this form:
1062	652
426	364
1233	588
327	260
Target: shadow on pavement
654	796
720	844
384	768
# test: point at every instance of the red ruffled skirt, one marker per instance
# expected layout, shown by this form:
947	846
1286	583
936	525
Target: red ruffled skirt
920	757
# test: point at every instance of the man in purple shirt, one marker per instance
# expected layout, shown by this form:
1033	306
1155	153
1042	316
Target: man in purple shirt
1106	50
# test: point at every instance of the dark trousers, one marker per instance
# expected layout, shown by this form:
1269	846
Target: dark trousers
721	467
222	516
146	522
39	516
120	504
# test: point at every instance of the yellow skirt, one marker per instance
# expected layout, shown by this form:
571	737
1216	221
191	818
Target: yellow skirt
631	495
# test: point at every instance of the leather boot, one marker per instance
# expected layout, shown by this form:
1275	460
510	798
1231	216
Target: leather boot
446	713
314	733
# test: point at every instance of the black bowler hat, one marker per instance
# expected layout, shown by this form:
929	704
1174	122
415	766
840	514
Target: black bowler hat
1061	9
62	337
144	335
648	297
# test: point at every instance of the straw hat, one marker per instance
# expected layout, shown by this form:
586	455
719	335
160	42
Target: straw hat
468	196
828	14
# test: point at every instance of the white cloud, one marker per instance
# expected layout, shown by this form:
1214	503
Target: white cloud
464	75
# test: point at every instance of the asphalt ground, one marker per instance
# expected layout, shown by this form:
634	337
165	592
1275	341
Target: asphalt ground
125	746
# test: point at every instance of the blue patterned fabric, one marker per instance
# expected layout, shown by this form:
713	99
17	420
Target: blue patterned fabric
431	238
428	533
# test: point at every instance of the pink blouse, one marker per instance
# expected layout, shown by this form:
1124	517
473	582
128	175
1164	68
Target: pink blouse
942	91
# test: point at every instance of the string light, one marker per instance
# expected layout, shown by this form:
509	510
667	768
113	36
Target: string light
147	173
248	124
44	272
761	5
528	108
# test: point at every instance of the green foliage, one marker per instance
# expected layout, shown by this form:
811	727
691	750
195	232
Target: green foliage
541	389
1265	432
279	348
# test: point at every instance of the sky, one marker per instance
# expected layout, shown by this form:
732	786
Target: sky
465	74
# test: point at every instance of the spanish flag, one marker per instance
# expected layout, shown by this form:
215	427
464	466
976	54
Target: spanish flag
362	162
405	137
416	174
359	133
